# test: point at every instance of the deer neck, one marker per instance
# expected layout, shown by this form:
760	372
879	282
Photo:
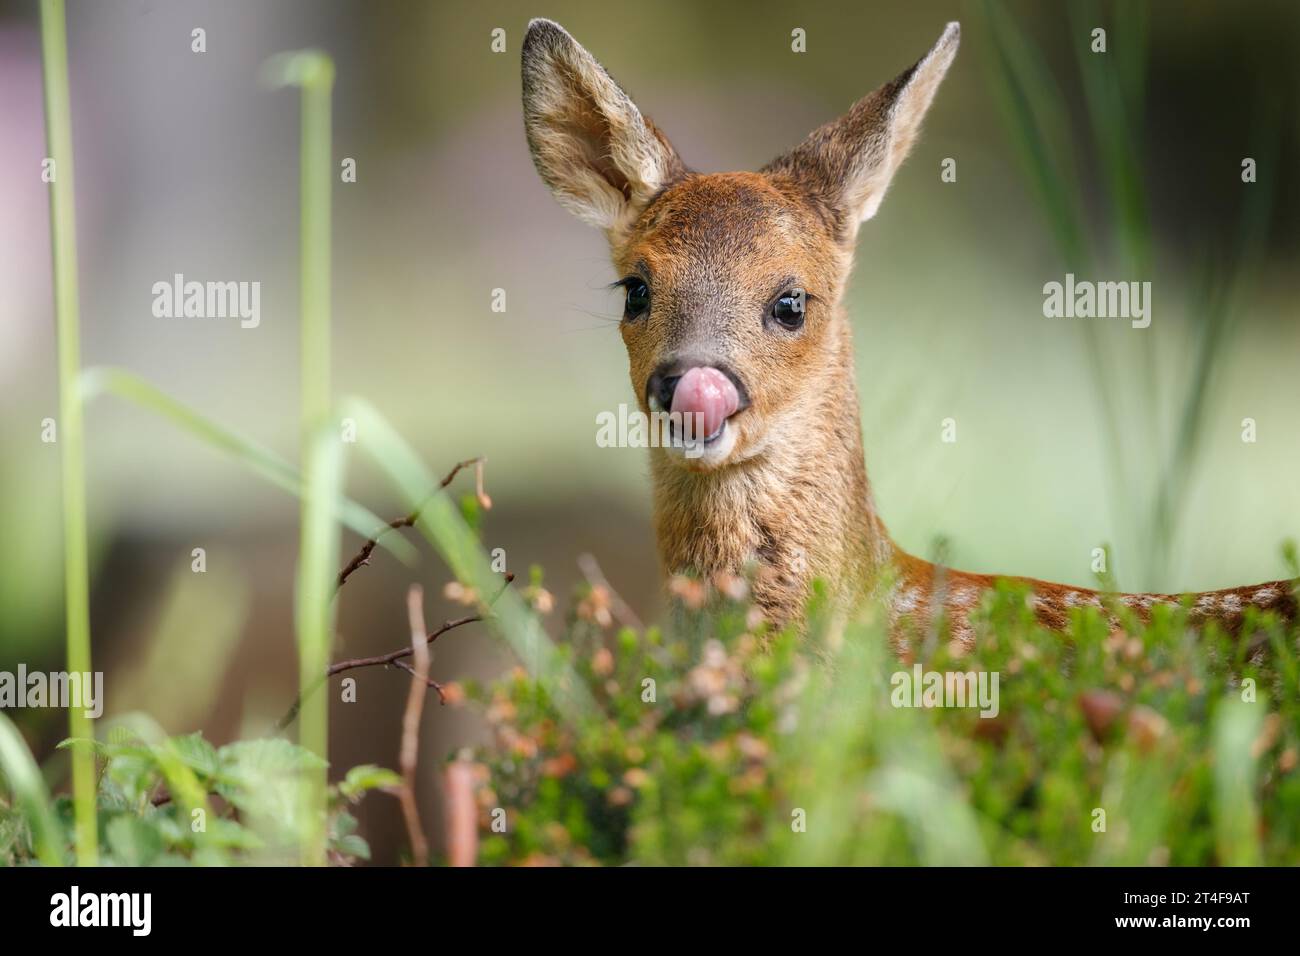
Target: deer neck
801	509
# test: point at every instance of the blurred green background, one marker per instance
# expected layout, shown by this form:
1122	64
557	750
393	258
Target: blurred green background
186	163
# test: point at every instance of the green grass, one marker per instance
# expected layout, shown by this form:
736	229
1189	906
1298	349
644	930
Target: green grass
142	764
29	811
1153	431
63	234
261	461
322	455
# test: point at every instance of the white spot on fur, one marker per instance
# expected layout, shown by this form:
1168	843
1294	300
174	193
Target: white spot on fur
909	600
1265	596
962	636
964	597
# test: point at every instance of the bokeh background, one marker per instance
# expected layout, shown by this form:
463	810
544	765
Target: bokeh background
188	163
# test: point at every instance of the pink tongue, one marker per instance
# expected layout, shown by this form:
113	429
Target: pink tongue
707	392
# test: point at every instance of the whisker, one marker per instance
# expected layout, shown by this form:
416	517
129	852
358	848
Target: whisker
588	328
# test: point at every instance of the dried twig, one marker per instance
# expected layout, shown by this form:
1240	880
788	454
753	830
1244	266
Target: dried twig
462	814
429	681
409	758
380	660
596	578
395	657
362	557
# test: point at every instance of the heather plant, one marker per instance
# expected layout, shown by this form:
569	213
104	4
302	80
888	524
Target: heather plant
721	742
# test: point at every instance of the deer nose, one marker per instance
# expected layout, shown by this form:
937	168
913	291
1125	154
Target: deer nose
692	387
661	387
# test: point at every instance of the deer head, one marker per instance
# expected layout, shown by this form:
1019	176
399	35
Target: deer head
732	286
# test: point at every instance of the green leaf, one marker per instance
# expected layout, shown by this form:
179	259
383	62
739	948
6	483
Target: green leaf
266	755
343	837
135	771
268	779
112	797
133	840
353	846
232	835
185	788
99	747
197	754
367	777
341	824
13	841
28	788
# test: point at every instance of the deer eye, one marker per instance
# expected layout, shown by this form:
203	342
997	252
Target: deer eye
788	310
638	298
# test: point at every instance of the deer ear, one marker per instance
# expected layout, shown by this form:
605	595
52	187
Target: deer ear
602	159
849	162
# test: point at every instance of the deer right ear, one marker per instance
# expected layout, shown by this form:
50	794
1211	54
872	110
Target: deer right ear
602	159
849	162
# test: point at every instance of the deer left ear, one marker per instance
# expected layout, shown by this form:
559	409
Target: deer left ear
601	157
849	162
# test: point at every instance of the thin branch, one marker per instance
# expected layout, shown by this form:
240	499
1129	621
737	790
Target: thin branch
429	681
362	557
596	578
410	752
380	660
395	657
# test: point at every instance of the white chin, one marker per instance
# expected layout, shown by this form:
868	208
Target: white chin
703	455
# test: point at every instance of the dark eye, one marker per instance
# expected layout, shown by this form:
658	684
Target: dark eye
788	310
638	298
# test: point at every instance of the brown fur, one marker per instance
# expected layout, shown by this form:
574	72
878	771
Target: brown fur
790	491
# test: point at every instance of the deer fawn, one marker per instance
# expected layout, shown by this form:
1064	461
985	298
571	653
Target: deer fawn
733	284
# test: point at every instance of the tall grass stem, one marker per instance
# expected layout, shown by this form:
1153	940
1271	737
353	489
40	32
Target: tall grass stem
76	570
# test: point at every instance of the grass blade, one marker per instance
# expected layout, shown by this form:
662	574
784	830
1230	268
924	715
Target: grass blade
314	613
322	457
1034	109
76	571
263	462
1236	818
28	788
